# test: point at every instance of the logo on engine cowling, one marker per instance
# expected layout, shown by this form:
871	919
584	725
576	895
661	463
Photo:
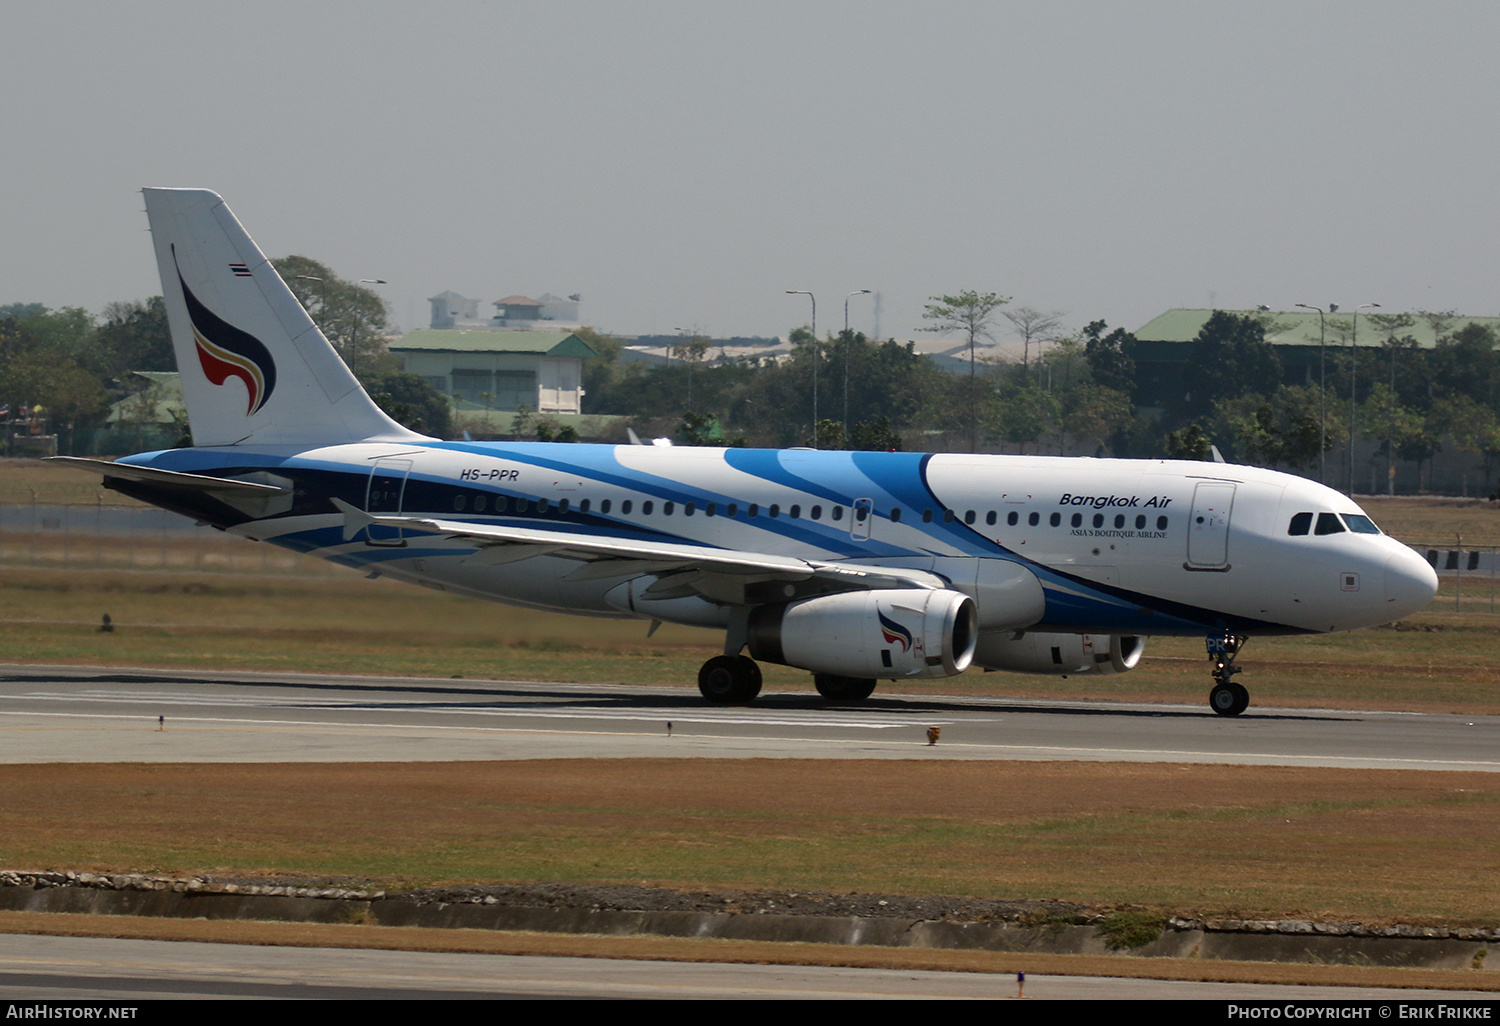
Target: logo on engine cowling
893	632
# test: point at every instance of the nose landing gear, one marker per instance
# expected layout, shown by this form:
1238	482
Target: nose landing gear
1227	697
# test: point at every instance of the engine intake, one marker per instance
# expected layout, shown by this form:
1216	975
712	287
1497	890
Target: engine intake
881	634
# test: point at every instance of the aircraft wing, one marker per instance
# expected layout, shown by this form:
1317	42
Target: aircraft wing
681	569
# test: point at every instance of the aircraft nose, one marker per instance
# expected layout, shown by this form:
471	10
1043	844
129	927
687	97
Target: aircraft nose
1410	583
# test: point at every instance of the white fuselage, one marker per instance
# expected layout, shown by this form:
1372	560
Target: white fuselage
1123	546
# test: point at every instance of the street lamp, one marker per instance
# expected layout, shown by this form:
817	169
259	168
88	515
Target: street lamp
861	292
1322	396
1353	356
809	295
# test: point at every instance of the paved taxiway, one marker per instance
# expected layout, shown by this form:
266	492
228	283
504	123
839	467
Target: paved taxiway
79	714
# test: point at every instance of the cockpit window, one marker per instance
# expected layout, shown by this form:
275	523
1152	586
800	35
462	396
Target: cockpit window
1360	524
1329	523
1301	523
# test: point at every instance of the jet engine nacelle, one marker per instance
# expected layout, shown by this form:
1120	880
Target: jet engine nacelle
870	634
1033	652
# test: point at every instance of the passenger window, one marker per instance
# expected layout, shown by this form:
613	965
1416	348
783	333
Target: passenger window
458	502
1012	518
542	505
1033	519
1077	520
947	516
479	503
1161	523
753	511
1119	521
583	507
500	503
522	505
687	509
1055	519
895	515
817	513
625	507
667	508
989	518
1301	523
775	510
711	509
838	513
733	510
647	507
1360	524
1329	523
927	516
562	507
1098	519
604	506
1140	522
794	511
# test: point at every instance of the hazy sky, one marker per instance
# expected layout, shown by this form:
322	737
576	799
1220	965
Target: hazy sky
682	164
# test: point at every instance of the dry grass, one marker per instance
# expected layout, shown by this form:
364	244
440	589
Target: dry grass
1210	840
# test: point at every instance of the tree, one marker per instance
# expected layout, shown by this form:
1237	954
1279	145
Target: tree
410	400
969	312
1189	443
1033	326
1110	356
1231	357
350	316
1092	413
135	337
1025	413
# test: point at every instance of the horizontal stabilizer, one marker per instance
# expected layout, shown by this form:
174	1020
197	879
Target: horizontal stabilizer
167	478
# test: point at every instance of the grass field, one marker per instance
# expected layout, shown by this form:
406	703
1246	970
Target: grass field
1253	842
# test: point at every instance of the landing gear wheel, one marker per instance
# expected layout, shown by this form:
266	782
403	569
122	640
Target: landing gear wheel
843	689
1229	698
730	680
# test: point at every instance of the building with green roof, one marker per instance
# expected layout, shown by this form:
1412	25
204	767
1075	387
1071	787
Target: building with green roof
501	370
1163	345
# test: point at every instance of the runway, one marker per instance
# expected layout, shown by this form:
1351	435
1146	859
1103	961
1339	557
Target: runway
81	714
81	969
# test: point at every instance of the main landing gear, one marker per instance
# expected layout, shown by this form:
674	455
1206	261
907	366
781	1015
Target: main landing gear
843	689
735	680
1227	697
730	680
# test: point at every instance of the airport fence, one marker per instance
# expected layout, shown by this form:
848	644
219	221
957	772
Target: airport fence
1467	576
100	537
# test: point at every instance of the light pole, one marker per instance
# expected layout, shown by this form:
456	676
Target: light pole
1353	356
861	292
809	295
354	318
1322	396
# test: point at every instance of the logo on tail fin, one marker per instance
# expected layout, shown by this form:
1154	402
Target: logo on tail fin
893	632
225	351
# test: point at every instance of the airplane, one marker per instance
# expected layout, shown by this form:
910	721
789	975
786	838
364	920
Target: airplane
854	566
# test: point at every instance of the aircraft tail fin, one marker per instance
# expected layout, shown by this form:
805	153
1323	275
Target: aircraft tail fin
254	366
